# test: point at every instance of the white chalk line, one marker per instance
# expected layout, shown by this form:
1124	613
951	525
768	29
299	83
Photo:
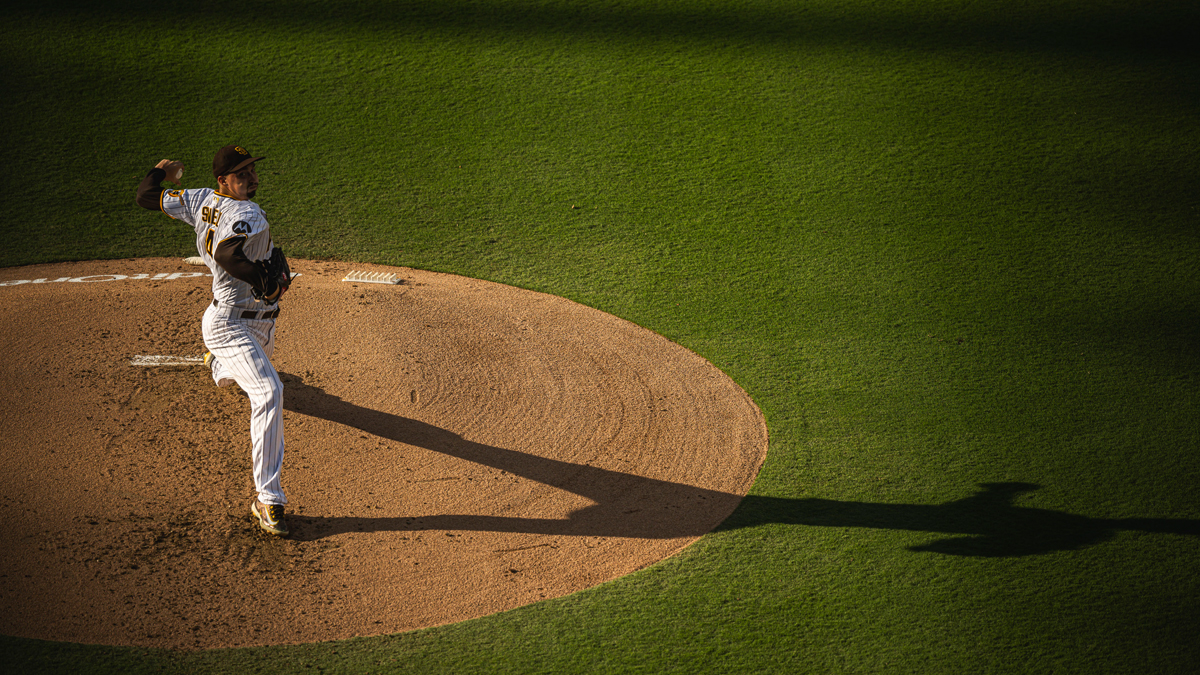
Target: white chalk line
141	360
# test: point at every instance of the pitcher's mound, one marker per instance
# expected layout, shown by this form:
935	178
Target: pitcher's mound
454	448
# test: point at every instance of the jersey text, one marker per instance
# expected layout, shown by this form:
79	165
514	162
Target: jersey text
210	215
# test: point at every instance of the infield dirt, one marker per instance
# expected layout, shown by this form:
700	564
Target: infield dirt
455	448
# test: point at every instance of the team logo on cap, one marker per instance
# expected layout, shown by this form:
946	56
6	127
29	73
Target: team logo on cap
241	150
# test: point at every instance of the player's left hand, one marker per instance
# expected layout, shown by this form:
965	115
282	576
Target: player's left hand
275	297
277	275
173	168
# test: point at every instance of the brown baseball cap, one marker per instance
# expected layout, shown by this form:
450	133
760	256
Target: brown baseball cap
232	158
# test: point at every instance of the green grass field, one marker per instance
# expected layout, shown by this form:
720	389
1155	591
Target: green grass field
949	248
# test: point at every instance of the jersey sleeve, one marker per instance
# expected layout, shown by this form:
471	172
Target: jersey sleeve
183	204
245	223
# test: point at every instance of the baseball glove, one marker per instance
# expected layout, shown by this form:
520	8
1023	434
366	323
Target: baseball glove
277	276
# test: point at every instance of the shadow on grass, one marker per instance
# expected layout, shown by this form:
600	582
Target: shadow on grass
988	523
1056	26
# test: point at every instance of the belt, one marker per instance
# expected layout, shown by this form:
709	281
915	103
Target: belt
251	314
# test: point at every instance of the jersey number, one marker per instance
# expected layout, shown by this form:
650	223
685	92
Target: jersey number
212	217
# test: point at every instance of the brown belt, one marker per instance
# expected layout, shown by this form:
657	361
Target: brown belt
251	314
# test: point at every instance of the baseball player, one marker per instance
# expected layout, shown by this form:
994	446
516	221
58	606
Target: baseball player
250	275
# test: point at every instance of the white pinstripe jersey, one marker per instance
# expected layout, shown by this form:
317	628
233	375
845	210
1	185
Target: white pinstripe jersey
216	218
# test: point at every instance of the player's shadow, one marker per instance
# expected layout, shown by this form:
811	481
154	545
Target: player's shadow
987	523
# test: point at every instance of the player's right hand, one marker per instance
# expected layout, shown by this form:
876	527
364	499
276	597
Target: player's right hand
173	168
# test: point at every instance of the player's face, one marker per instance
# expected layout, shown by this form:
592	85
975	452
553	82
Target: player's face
240	185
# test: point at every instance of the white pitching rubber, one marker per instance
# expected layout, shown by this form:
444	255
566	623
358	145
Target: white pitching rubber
373	278
166	360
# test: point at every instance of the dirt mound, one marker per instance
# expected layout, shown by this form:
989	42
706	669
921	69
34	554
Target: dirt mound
454	448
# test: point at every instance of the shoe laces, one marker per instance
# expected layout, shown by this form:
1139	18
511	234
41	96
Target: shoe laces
274	512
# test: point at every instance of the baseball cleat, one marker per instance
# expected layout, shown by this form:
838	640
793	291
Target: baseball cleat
269	517
208	360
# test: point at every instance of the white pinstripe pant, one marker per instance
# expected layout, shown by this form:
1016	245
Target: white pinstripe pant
243	349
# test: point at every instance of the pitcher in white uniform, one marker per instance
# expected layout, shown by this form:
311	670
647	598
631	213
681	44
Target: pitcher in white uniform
232	233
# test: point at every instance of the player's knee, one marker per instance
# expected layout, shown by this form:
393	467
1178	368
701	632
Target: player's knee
275	389
269	394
